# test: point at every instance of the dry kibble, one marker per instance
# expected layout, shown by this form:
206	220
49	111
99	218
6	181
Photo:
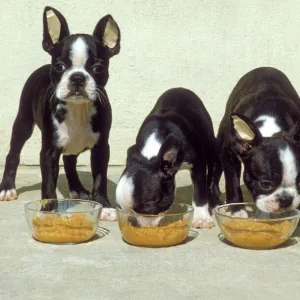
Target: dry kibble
61	229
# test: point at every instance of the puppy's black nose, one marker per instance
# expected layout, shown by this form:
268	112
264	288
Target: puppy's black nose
78	79
286	201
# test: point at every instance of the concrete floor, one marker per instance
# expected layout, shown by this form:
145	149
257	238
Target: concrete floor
107	268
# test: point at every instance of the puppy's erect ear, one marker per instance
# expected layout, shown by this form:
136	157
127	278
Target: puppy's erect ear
55	28
168	155
108	32
245	135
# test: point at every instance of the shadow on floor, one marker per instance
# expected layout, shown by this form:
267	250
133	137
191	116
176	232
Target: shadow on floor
62	186
185	195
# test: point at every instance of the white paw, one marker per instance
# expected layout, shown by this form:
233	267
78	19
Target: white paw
202	217
108	214
8	195
240	214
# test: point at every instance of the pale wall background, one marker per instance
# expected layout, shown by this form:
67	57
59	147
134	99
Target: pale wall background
202	45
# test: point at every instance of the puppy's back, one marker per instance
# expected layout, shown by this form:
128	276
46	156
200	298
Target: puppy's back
185	108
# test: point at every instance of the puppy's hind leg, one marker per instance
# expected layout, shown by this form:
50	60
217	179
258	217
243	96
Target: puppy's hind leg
21	132
77	191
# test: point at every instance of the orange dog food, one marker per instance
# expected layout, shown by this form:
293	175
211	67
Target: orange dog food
252	234
55	229
161	236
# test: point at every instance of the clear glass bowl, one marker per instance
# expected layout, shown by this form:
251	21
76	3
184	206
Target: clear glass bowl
259	230
163	230
73	221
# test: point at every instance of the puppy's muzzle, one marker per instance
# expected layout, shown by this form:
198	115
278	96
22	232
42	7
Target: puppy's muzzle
285	201
78	80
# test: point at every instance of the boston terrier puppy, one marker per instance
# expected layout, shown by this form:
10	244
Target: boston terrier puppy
177	133
67	101
261	130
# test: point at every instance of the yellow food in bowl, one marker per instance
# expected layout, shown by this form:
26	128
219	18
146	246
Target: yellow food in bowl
254	234
161	236
62	229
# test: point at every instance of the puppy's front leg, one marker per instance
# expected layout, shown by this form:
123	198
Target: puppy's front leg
99	163
49	163
202	217
232	172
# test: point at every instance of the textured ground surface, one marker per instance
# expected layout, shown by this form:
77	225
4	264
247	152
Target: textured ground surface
109	269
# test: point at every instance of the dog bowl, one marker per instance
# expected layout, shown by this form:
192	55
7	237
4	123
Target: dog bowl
259	230
163	230
73	221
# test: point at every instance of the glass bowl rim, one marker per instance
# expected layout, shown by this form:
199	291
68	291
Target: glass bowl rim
99	206
132	212
297	215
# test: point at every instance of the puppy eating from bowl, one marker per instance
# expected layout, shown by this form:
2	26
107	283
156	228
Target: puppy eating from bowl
68	102
177	133
261	130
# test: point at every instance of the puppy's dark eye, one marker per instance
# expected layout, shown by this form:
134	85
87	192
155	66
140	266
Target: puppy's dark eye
97	68
59	67
266	185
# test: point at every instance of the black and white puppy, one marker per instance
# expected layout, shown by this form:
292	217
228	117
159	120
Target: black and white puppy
67	101
260	129
177	133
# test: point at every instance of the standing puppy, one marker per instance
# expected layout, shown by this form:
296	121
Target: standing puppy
67	101
261	129
178	132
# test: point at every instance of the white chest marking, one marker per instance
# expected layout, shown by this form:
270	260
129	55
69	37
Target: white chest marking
75	134
152	146
269	127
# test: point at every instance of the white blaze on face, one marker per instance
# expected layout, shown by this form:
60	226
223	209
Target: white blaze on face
124	193
269	126
151	147
78	56
269	203
79	53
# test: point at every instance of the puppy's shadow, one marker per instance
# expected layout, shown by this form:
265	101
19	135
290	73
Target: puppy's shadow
246	195
185	195
62	186
296	233
87	181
